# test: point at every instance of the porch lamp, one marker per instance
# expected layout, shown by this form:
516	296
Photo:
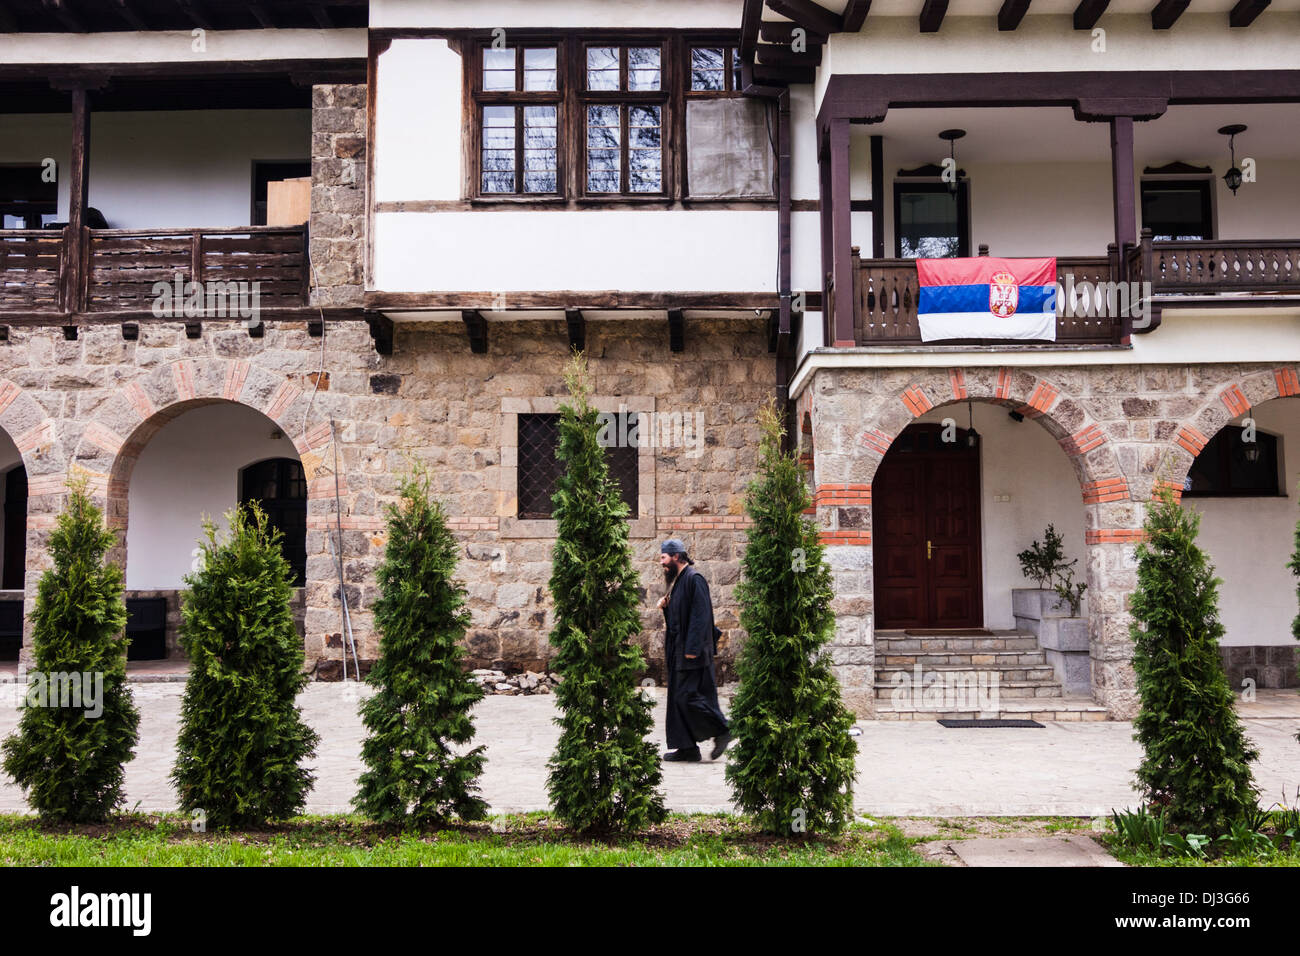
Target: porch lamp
972	436
952	135
1252	447
1233	176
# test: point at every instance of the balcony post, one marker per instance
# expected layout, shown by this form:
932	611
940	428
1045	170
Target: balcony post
1121	167
841	257
827	235
72	281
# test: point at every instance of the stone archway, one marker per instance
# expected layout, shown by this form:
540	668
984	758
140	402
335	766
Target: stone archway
858	413
111	443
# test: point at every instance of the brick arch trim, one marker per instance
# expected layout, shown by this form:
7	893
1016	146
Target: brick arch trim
111	442
40	446
1082	439
1226	403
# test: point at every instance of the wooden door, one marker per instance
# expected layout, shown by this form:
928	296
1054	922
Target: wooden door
925	503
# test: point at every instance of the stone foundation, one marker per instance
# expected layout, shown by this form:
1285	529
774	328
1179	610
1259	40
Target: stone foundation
1271	666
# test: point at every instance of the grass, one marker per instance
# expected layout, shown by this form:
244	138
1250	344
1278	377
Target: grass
516	840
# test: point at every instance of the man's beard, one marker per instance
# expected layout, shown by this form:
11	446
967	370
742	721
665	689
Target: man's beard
670	574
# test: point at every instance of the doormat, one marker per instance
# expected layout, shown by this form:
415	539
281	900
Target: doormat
950	632
963	724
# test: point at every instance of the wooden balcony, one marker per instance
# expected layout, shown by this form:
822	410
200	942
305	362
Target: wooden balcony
886	290
123	266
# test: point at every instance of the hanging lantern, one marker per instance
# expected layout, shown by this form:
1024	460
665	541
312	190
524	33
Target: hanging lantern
1233	176
952	135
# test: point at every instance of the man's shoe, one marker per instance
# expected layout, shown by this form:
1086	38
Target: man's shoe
686	756
720	743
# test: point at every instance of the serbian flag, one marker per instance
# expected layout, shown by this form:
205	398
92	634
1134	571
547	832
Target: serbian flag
987	298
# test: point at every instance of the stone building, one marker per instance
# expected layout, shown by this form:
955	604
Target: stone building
688	191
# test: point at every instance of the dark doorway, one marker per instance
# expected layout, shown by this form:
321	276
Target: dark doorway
280	487
265	171
15	533
926	516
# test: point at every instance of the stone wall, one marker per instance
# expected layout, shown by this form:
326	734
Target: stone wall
338	210
1269	667
1123	429
94	402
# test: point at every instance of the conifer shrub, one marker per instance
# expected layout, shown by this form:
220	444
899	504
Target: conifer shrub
419	716
792	766
79	724
242	738
604	774
1196	760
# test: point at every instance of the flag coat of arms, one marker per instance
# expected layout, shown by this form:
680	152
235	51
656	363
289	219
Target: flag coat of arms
987	298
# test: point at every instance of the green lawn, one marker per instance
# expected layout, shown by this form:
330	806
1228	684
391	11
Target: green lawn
521	840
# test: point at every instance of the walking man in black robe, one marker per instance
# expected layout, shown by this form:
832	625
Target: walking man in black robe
693	712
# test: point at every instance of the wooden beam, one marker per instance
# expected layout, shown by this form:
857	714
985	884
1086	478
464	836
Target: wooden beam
72	279
1245	12
1167	12
751	20
590	299
1121	166
855	14
932	15
577	329
769	54
381	331
130	331
321	16
809	15
676	330
1012	12
476	327
841	237
69	19
1088	12
878	197
784	75
774	31
7	25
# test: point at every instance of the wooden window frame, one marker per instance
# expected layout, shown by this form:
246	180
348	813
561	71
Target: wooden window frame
519	99
573	97
729	87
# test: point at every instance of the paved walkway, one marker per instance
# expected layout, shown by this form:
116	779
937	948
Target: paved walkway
906	768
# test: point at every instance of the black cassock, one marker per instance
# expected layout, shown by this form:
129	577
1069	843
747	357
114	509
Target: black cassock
693	712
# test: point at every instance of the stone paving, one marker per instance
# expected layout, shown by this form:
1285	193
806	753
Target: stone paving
907	768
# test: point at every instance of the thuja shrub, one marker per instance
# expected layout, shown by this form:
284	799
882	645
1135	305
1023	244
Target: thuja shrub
242	739
1196	760
79	724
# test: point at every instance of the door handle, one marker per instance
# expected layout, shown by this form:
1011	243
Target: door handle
929	551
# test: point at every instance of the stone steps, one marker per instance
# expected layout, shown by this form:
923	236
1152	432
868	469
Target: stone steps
1040	672
1007	641
1070	709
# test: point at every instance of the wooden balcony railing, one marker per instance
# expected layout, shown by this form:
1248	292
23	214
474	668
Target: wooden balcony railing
123	266
887	293
1211	266
31	263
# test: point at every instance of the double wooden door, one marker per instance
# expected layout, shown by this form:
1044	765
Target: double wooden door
926	539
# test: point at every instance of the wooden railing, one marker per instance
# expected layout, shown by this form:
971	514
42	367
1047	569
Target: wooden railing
125	265
31	263
1216	265
888	292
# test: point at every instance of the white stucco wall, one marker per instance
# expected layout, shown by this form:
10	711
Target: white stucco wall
1021	461
1250	541
188	470
165	46
203	176
555	14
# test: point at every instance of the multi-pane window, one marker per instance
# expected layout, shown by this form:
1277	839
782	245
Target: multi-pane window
624	102
539	469
715	69
519	121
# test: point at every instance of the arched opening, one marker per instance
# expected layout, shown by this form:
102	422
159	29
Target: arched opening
13	547
1244	483
194	462
959	493
279	486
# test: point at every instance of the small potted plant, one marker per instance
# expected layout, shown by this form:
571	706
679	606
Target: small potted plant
1052	612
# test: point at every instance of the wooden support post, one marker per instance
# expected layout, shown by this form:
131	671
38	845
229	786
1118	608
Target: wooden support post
877	197
72	281
1121	166
841	234
828	236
